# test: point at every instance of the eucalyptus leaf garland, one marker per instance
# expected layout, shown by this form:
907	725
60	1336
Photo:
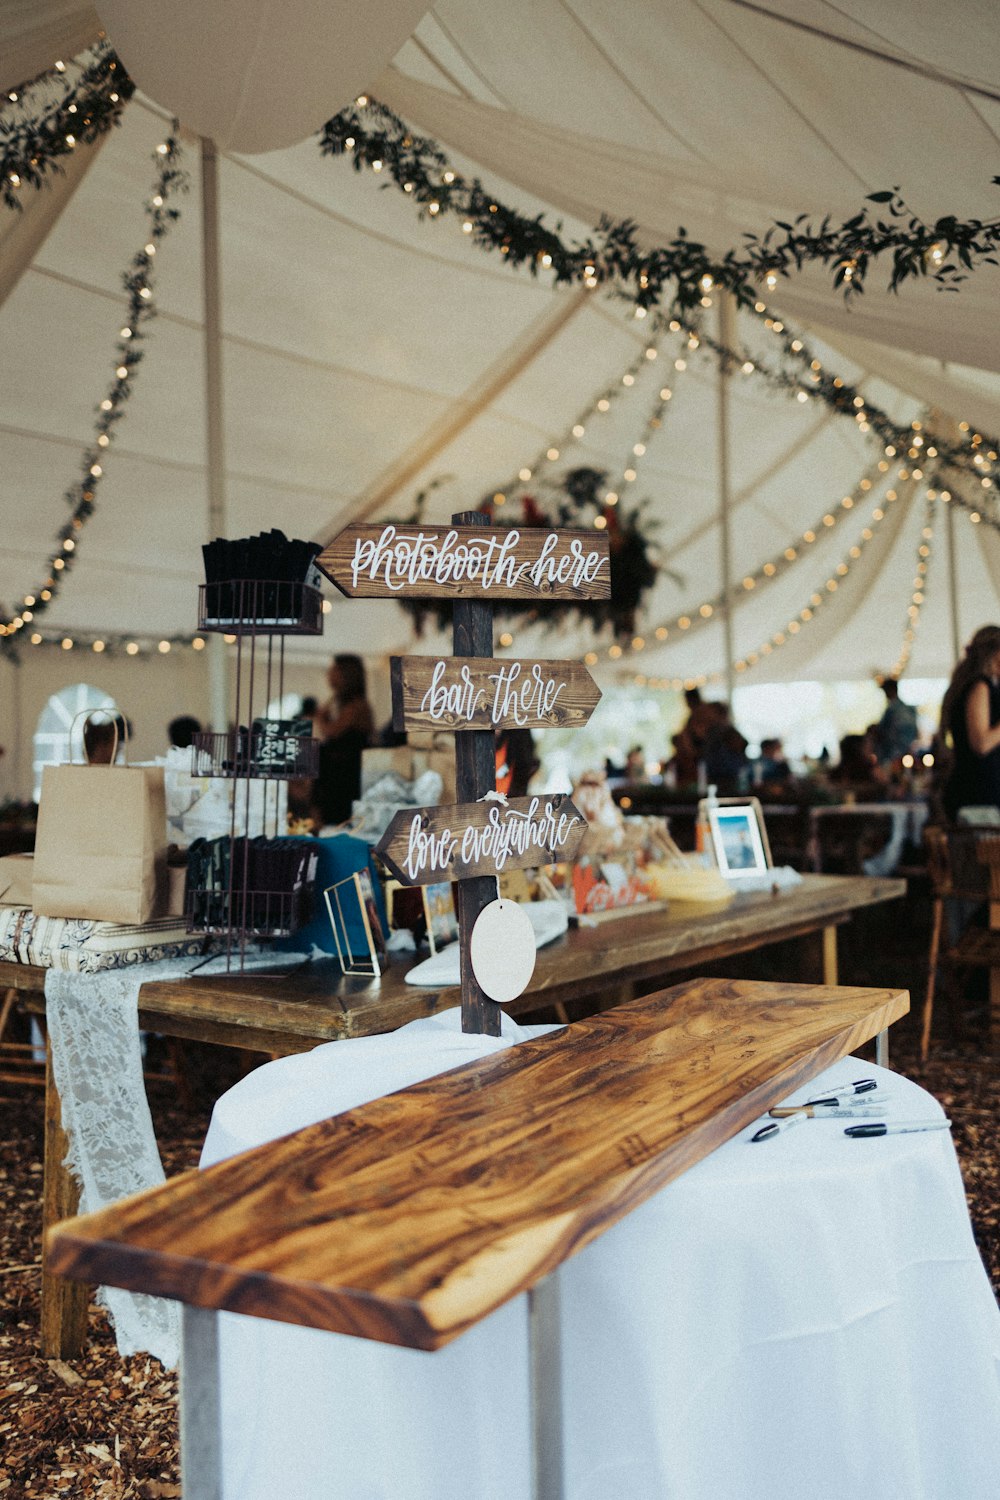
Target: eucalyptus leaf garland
675	276
35	144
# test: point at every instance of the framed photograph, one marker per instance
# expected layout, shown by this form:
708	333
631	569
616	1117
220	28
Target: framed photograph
439	909
736	838
372	920
354	919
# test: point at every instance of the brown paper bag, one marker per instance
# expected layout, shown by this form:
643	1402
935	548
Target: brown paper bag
101	846
16	872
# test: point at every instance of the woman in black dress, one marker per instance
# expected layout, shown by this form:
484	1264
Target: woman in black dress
970	714
344	726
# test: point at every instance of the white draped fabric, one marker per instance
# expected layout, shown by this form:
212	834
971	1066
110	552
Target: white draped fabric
805	1314
22	235
34	34
256	75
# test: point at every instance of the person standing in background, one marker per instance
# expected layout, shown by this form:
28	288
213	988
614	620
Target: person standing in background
182	730
896	731
689	741
344	727
970	716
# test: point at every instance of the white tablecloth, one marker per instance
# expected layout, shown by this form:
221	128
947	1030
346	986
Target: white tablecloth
807	1315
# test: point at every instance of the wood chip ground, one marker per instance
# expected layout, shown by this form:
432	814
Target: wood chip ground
104	1428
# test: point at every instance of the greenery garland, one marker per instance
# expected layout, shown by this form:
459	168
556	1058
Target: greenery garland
936	459
81	497
32	147
676	276
672	280
676	280
946	250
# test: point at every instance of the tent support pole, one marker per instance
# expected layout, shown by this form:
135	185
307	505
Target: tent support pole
727	339
956	636
218	686
948	427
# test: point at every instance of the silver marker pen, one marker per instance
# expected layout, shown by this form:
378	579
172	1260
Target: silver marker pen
900	1127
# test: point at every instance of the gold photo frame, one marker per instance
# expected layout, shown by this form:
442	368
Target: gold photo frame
359	888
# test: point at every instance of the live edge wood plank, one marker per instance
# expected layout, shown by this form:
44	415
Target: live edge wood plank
410	1219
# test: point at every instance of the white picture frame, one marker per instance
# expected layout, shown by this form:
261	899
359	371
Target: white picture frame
737	840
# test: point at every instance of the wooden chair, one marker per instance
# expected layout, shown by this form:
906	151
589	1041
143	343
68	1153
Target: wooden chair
956	874
843	839
24	1062
19	1060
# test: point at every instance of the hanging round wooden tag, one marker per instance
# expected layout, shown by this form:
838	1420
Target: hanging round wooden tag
502	950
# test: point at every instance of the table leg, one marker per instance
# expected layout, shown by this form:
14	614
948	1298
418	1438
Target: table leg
993	1019
200	1407
64	1303
882	1048
545	1339
830	955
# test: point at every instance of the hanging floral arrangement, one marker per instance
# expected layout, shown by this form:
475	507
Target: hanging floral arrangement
573	499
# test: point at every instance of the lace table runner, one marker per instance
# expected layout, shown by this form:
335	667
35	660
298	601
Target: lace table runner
93	1022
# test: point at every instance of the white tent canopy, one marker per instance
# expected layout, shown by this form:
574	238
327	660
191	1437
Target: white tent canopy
368	354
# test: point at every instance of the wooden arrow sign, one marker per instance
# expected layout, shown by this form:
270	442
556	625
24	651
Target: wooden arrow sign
468	692
488	563
424	845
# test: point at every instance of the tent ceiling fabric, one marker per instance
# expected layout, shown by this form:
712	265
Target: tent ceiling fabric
34	33
256	75
368	354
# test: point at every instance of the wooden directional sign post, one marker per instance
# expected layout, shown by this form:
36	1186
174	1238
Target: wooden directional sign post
424	846
475	564
454	692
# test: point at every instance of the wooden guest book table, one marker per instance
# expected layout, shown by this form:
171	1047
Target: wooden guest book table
412	1218
293	1012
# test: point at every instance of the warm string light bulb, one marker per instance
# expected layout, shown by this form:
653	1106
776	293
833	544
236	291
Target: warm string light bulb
797	621
918	597
553	450
774	567
141	306
911	439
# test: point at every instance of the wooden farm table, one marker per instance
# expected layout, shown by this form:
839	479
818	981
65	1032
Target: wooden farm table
526	1156
295	1011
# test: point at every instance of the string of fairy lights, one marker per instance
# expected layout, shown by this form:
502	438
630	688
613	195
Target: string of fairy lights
820	597
128	644
629	381
970	456
919	594
139	283
94	103
797	621
775	568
